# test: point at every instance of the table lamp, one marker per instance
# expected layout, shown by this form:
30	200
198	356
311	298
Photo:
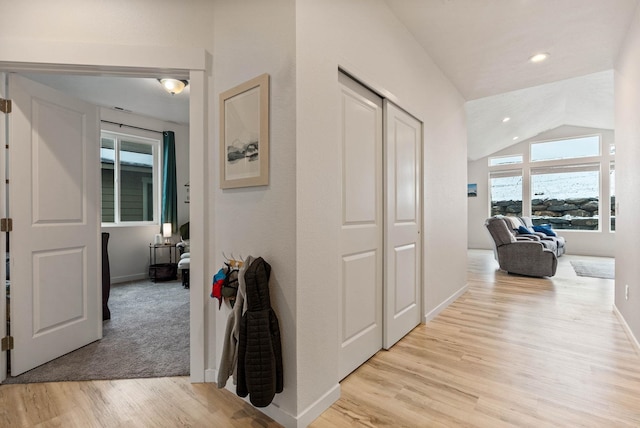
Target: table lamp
166	232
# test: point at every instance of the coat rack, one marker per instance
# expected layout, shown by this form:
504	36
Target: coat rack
233	262
225	282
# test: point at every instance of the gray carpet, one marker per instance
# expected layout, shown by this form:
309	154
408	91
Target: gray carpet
147	336
595	269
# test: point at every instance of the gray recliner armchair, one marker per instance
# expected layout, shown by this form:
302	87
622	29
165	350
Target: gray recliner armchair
558	240
524	257
515	222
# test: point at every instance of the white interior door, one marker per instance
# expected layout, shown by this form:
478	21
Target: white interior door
54	201
3	206
403	154
362	225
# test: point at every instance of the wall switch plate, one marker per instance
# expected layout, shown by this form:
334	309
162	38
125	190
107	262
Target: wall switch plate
626	292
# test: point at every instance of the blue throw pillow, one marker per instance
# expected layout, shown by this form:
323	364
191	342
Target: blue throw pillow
523	230
546	229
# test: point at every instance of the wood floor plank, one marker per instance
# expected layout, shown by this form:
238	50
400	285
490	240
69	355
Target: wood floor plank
511	351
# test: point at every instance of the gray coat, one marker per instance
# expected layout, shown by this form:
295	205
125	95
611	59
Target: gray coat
229	358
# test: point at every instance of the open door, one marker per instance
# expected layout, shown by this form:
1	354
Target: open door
403	205
3	206
54	201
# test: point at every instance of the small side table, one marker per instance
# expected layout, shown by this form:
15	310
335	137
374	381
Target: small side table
162	271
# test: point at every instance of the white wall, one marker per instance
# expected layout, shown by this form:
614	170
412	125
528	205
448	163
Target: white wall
627	90
366	39
125	23
251	38
590	243
129	245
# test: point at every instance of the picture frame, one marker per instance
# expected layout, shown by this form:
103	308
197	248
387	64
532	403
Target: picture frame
472	190
244	134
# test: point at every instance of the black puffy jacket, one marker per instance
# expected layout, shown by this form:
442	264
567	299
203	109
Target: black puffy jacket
259	346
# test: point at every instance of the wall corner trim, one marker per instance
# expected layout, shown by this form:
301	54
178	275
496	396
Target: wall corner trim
442	306
627	329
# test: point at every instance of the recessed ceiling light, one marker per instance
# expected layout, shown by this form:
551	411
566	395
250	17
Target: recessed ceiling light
506	119
539	57
515	138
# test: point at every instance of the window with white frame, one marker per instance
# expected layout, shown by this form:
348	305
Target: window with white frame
565	180
570	148
567	197
130	178
505	188
505	160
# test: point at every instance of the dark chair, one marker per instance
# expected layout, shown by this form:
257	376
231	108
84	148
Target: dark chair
185	255
524	257
106	277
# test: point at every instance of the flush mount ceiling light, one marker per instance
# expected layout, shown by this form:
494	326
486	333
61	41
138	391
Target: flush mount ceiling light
173	86
506	119
539	57
515	138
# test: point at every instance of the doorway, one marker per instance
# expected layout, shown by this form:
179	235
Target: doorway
143	321
381	241
109	61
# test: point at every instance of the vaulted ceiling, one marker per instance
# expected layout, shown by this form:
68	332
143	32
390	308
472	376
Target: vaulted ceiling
484	47
581	101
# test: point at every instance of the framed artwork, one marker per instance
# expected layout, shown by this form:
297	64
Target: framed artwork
472	190
244	134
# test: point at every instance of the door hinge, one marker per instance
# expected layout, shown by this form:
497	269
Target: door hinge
6	225
5	106
7	343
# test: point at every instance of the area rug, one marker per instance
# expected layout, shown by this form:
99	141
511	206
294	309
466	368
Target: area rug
147	336
595	269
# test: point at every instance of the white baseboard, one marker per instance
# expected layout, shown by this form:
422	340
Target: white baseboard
627	330
279	415
305	417
442	306
127	278
276	413
210	375
312	412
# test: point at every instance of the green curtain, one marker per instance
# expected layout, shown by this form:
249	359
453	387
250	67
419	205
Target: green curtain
169	182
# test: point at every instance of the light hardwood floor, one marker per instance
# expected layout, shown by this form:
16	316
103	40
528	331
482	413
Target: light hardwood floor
511	352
